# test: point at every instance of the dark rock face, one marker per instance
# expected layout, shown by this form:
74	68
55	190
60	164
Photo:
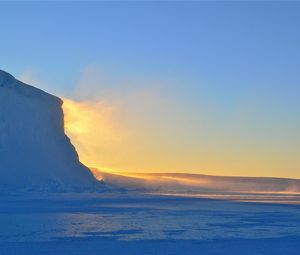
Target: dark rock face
35	153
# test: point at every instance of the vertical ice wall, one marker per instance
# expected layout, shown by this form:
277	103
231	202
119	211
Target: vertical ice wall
35	153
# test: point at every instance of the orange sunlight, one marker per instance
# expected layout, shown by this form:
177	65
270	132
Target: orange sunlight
92	129
115	137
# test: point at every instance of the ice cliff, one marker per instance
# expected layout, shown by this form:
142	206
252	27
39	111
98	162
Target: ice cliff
35	153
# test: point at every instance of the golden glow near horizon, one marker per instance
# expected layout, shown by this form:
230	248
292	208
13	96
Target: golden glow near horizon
125	138
92	130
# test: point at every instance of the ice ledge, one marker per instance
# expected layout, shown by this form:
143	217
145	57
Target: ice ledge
6	79
9	81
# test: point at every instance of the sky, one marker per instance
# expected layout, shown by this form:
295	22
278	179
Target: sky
192	87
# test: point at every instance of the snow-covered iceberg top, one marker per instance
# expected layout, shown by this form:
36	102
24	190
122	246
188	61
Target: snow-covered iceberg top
35	153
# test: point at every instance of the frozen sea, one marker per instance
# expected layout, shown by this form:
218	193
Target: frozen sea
133	223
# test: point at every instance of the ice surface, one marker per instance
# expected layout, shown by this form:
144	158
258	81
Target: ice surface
132	223
35	153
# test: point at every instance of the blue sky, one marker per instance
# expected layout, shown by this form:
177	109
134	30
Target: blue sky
236	61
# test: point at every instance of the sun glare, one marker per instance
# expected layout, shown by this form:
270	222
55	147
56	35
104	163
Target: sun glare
91	125
77	117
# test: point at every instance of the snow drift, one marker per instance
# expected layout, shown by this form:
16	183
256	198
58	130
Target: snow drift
35	153
198	183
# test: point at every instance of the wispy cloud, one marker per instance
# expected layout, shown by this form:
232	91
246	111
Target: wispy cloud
110	119
31	76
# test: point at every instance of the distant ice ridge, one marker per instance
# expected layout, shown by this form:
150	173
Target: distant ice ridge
198	183
35	153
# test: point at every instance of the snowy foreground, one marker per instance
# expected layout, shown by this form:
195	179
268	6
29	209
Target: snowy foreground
132	223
